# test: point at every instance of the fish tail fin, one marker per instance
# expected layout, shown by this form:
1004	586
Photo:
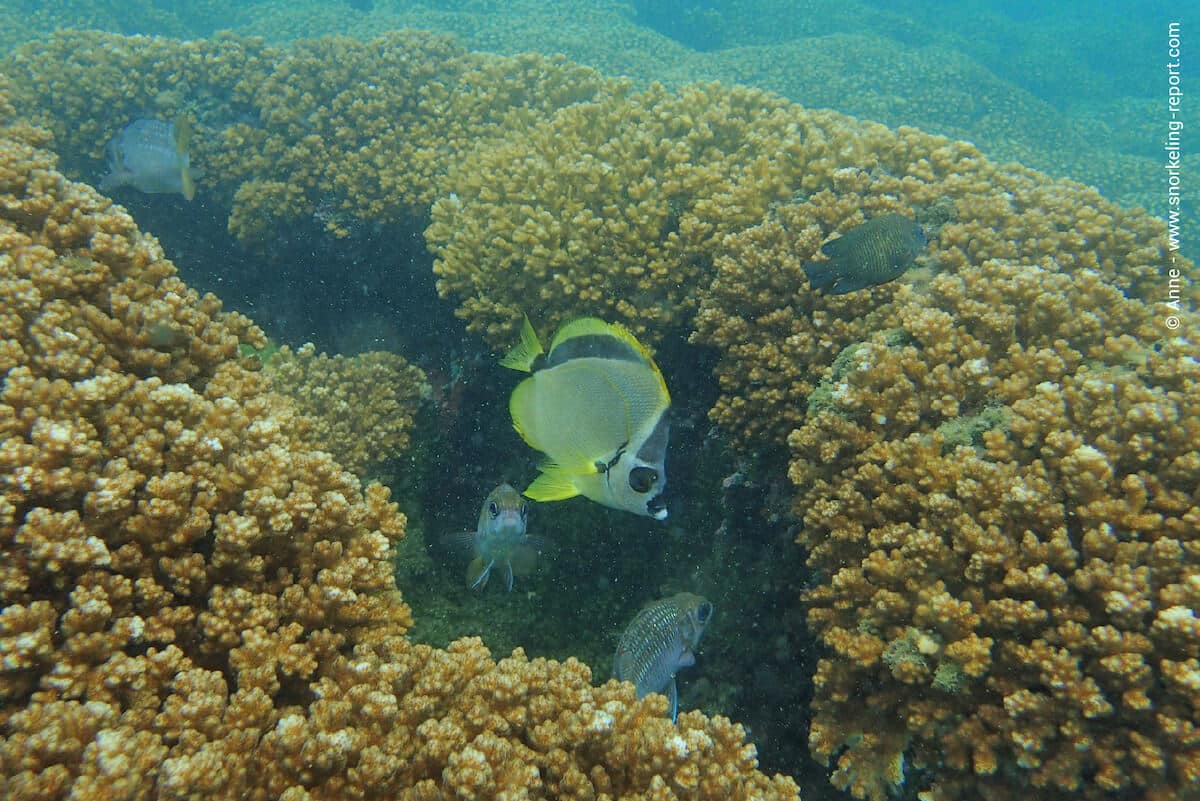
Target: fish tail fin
522	356
183	140
554	484
187	181
821	274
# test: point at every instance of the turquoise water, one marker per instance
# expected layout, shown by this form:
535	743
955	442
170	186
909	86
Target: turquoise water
1074	90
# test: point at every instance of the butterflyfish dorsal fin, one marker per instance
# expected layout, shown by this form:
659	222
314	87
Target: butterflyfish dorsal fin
623	341
522	356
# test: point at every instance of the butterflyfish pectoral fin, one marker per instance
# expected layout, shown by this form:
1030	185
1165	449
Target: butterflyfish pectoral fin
673	699
553	484
477	573
508	575
522	356
575	465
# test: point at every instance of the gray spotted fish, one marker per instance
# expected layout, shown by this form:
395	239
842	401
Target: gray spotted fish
151	155
661	640
878	251
499	540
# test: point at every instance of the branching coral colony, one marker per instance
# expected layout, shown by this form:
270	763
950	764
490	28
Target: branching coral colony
995	457
198	603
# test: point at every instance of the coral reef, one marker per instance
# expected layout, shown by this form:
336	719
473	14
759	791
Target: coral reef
195	603
1012	610
1021	614
362	407
861	58
331	130
996	465
85	86
995	457
779	340
613	208
620	208
320	115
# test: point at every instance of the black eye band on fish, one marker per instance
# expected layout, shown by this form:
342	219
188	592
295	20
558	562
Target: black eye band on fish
604	467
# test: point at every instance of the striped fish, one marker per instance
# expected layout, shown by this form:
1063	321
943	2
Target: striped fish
660	640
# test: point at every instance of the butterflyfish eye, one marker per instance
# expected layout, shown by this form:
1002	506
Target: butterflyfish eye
641	479
704	612
493	509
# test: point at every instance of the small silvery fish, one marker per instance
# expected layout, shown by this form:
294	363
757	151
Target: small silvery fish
878	251
151	156
660	640
596	404
499	540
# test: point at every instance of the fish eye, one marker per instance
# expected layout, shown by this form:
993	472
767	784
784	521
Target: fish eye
493	509
704	612
641	479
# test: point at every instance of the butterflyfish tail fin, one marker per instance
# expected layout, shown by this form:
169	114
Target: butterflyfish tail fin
587	326
552	485
522	356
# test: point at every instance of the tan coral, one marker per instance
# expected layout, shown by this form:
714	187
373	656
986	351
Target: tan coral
1050	527
198	603
1046	554
361	408
330	132
613	208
